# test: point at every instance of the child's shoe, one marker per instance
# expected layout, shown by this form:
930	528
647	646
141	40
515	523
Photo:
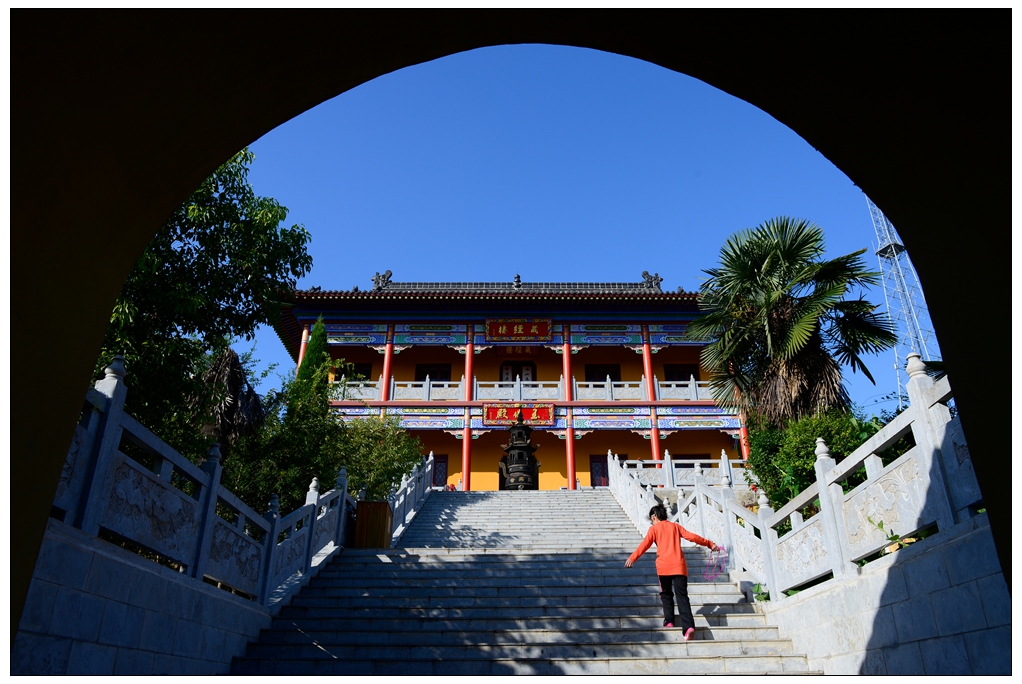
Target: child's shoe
668	624
690	634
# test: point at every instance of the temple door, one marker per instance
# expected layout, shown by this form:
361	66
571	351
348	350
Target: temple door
440	470
598	474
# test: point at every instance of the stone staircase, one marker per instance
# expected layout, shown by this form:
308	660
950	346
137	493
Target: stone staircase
512	583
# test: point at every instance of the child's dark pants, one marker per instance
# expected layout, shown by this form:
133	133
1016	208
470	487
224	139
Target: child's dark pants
669	586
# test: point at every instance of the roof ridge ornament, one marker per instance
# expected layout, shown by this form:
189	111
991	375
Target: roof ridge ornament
652	282
518	282
381	282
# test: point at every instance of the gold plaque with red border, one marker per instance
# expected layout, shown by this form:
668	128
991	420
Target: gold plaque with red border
519	330
507	414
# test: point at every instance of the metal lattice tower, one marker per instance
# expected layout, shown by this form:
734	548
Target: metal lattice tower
904	297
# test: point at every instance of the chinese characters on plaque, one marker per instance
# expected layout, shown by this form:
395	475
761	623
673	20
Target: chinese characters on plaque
519	330
507	414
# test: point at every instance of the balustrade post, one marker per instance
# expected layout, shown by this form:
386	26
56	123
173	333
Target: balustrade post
768	544
831	512
342	505
727	494
725	470
272	516
90	504
693	388
560	388
656	387
518	388
379	389
475	388
311	497
610	389
211	466
425	389
668	471
925	432
700	482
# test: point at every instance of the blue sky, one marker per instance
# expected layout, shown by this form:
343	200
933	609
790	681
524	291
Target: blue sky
600	166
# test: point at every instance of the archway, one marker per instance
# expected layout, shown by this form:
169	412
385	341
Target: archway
117	117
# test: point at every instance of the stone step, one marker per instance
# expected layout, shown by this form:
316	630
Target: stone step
315	610
493	586
536	666
496	583
491	637
316	650
348	623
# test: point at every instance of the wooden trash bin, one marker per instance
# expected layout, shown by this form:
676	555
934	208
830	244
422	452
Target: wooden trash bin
374	524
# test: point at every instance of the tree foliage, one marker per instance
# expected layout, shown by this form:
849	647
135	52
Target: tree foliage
214	272
779	325
782	459
302	438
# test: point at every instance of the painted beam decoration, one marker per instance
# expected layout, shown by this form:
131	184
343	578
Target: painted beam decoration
519	330
614	334
356	333
670	334
426	333
507	414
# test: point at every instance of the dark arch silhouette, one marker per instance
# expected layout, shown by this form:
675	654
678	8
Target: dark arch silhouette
117	116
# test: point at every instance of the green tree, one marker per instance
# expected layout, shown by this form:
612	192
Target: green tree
779	324
214	272
302	438
377	452
316	351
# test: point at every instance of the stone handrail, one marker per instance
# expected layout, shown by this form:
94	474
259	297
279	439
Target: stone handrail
609	390
518	390
427	390
359	390
408	497
930	484
158	502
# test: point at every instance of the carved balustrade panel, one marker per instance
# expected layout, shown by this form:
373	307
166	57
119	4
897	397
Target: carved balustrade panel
649	476
897	496
539	391
623	391
715	524
234	558
411	393
359	392
593	393
289	557
676	391
802	555
326	530
492	393
72	476
748	550
958	465
446	392
141	507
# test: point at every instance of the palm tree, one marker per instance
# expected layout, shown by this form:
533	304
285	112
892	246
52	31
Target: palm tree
780	325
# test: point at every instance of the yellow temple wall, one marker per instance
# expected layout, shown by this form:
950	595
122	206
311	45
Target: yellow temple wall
630	362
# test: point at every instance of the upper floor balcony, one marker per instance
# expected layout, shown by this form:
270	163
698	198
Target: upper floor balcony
520	390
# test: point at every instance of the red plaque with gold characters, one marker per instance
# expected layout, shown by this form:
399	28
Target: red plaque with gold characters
507	414
519	330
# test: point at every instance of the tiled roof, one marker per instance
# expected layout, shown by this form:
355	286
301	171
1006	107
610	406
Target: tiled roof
383	286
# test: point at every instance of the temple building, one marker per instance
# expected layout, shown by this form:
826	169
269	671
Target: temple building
591	367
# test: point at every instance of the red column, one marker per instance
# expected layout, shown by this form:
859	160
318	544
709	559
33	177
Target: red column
569	433
466	453
466	437
301	347
469	354
647	369
388	356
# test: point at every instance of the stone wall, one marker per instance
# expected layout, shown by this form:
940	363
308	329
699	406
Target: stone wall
94	608
938	606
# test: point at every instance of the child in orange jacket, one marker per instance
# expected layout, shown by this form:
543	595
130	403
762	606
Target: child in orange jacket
671	568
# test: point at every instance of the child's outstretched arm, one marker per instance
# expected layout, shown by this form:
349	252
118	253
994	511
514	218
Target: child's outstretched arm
641	549
696	539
